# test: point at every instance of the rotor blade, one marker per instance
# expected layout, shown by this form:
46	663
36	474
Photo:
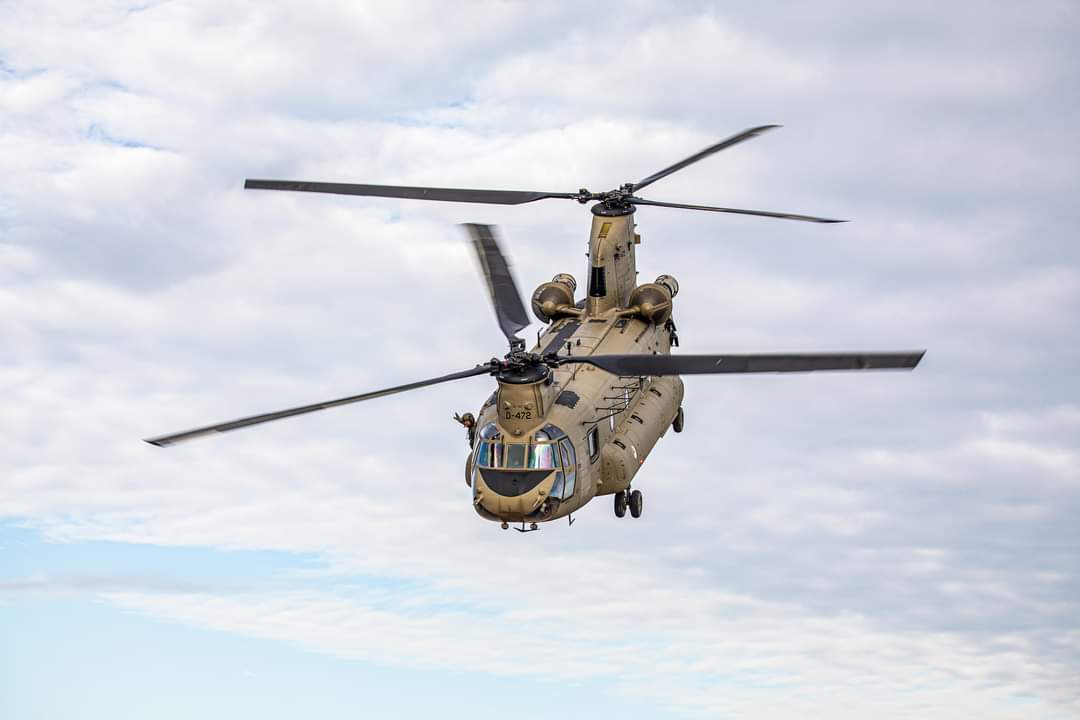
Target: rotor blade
757	363
166	440
737	211
496	197
733	140
509	310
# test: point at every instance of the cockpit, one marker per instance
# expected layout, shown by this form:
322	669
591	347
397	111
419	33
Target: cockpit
541	452
547	449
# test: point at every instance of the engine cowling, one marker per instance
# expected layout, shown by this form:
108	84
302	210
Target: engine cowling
654	300
550	300
670	283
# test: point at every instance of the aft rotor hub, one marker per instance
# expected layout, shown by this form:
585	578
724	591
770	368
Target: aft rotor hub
613	203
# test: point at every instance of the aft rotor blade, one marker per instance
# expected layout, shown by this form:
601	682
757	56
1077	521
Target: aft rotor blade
166	440
509	310
494	197
737	211
757	363
733	140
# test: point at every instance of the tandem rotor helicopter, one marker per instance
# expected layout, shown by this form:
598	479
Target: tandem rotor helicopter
576	416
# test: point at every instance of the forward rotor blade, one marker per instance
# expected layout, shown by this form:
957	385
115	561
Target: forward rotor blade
494	197
166	440
737	211
733	140
758	363
509	310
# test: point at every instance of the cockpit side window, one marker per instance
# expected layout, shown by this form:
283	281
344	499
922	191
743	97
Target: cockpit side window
489	450
569	473
568	454
483	455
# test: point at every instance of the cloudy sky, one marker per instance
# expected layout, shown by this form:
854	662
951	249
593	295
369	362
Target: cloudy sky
842	546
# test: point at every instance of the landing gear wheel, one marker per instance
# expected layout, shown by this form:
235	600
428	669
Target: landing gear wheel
635	504
677	423
620	504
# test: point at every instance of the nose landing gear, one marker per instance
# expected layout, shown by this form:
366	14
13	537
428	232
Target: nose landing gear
632	499
533	527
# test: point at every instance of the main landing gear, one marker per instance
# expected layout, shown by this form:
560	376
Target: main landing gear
631	499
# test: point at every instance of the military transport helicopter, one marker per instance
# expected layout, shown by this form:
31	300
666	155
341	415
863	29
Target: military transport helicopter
576	416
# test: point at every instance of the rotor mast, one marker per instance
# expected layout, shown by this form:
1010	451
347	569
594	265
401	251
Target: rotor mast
612	258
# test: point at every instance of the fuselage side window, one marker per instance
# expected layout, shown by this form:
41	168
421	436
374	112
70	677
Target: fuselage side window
594	444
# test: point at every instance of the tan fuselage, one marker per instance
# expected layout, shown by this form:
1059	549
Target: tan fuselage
625	416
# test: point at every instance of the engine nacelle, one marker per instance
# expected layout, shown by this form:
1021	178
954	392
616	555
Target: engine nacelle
551	300
653	300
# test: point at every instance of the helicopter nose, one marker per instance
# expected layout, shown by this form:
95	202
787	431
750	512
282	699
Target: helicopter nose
512	483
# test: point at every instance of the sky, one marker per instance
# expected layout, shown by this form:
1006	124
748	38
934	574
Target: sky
812	546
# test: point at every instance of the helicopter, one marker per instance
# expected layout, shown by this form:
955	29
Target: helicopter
576	416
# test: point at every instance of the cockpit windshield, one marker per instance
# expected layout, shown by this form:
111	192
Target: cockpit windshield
540	452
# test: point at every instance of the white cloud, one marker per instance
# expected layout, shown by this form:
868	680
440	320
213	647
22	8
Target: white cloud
745	653
811	546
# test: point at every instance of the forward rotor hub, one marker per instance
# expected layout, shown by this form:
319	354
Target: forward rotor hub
520	368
